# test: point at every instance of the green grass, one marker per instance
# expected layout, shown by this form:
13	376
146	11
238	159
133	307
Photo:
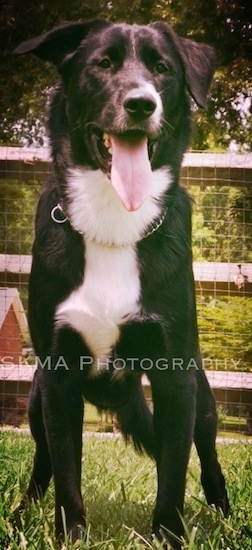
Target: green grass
239	436
119	491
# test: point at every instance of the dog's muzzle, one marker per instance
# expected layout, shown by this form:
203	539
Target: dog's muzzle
125	154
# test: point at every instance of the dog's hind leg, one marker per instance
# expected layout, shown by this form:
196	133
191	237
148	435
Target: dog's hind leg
204	436
42	468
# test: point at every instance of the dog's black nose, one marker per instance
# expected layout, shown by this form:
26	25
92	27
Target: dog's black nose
140	104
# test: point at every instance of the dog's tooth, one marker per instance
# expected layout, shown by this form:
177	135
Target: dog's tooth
110	150
106	140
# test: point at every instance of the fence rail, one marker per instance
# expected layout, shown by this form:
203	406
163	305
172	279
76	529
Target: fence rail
224	278
234	169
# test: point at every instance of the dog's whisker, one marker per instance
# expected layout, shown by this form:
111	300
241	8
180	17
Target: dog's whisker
166	125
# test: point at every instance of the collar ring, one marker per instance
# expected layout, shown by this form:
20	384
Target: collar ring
58	215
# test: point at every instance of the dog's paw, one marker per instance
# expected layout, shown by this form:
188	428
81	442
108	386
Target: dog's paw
70	531
166	538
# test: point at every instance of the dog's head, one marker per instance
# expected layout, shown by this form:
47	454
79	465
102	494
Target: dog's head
123	88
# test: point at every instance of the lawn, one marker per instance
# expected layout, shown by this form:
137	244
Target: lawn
119	491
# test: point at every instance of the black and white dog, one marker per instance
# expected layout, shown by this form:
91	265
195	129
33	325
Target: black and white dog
111	288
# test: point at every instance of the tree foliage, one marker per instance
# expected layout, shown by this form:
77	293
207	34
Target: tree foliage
222	224
26	82
225	333
17	207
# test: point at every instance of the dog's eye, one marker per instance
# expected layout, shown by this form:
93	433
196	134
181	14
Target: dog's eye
162	68
104	63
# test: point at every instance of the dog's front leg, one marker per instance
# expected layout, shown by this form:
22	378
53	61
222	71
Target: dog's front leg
62	405
63	420
174	416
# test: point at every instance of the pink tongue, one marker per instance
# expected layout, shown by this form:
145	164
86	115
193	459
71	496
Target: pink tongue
131	174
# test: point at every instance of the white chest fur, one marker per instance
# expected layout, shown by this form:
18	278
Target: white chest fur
110	292
96	211
108	296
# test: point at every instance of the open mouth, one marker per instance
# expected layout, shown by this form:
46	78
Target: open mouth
102	145
101	149
126	159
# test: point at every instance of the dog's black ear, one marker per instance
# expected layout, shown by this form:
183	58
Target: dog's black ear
198	60
61	41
